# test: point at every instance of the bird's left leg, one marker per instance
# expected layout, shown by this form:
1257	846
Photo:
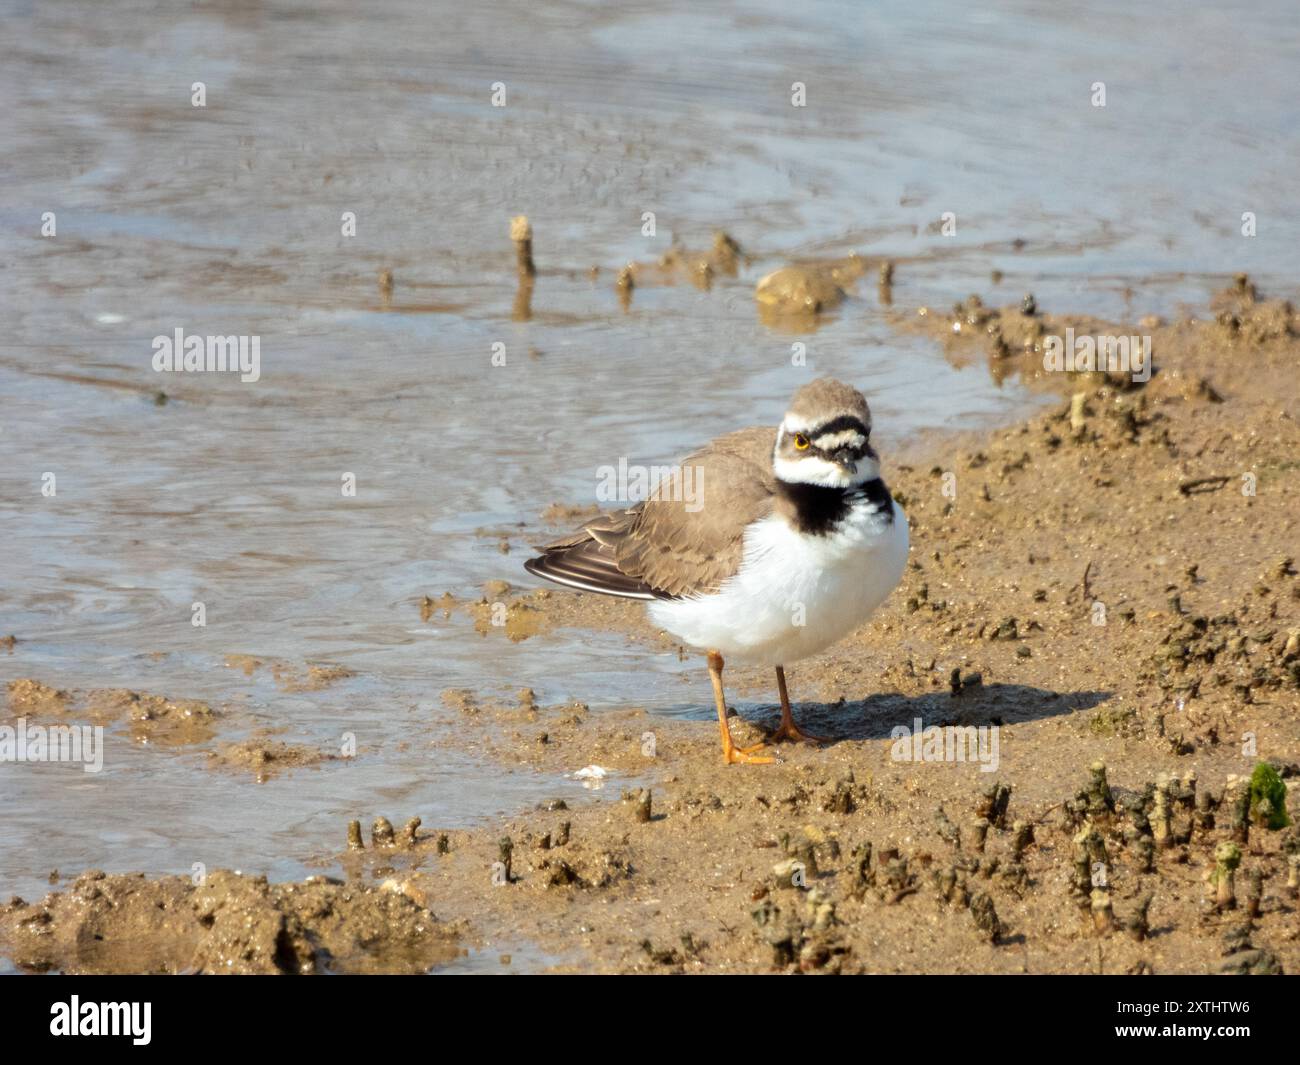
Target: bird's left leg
788	729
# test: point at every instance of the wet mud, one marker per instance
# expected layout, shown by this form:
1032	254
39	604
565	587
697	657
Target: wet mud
149	719
265	757
159	722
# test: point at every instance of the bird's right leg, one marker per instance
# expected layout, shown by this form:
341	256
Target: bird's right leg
731	754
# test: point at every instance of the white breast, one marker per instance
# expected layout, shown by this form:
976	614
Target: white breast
795	594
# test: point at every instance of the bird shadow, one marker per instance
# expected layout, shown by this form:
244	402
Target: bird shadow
877	716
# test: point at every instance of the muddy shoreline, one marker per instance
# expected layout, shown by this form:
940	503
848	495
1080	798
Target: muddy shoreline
1107	588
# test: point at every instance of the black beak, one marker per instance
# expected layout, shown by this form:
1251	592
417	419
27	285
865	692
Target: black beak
847	459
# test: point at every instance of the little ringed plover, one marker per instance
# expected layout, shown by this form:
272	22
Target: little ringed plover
792	541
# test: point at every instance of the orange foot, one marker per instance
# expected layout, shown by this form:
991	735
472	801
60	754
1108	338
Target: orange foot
745	755
792	732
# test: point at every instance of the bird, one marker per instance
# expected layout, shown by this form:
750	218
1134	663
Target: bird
787	540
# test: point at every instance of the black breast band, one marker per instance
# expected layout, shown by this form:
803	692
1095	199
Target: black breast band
817	509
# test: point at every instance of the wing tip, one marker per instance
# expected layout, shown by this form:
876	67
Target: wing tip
540	567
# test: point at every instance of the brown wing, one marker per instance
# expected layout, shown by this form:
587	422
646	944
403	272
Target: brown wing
686	539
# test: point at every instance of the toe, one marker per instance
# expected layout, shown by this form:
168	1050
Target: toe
737	756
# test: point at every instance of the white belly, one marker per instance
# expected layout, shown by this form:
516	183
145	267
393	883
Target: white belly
794	594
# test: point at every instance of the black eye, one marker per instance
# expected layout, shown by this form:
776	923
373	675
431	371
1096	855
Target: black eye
800	442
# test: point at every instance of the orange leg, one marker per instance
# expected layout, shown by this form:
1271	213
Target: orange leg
789	730
731	754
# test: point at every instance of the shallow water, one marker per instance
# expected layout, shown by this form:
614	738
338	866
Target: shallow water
226	220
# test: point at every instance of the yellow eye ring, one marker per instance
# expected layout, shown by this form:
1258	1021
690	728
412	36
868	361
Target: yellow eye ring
800	442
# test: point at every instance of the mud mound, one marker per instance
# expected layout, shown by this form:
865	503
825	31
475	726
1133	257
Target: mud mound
228	924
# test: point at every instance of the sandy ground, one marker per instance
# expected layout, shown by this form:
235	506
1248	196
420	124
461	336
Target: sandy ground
1106	590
